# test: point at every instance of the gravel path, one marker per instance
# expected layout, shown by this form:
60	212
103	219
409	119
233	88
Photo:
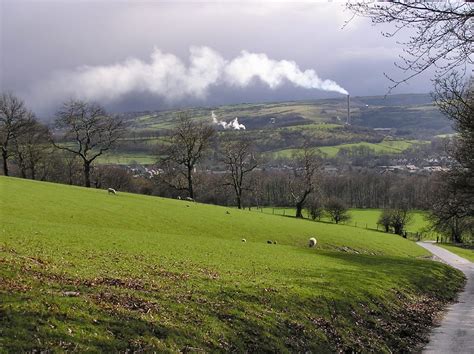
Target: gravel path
456	332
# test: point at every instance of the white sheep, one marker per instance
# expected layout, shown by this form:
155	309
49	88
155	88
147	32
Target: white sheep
189	199
111	191
312	242
244	240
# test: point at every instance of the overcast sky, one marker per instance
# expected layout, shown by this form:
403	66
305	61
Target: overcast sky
155	55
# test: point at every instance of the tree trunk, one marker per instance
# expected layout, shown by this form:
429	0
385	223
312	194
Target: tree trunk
33	171
398	230
5	162
456	234
457	238
190	182
21	165
22	171
70	173
299	210
239	202
87	174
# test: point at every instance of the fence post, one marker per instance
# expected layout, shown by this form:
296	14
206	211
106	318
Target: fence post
273	211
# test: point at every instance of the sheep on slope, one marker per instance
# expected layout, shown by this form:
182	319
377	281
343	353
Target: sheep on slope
312	242
111	191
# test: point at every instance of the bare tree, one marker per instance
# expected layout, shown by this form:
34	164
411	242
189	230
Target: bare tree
31	145
302	180
399	219
315	208
396	218
13	116
449	212
455	98
88	132
385	219
337	210
72	167
442	33
186	146
443	39
115	177
61	167
452	207
240	159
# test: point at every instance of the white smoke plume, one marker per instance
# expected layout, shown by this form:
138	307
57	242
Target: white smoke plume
233	124
245	68
167	76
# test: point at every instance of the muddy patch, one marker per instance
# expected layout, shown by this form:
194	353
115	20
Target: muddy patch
123	301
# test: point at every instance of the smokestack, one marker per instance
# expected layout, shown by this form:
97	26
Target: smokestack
348	110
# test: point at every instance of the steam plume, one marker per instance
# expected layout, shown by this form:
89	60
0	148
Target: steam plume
166	76
233	124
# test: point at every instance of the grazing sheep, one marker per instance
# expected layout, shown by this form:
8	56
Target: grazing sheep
244	240
312	242
111	191
179	197
71	293
270	242
274	242
189	199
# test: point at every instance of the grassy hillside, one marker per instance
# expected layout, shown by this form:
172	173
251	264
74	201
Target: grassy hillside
83	270
279	127
395	111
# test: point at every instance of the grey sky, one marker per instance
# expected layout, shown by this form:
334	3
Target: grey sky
43	40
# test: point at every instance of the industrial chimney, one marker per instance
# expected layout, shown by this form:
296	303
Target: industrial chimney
348	122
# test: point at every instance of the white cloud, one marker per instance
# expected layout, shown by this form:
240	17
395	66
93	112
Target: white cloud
168	77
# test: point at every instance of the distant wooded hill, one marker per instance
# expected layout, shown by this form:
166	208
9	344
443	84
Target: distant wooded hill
409	115
279	127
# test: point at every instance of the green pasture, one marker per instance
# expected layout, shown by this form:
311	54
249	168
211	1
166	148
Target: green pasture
121	158
384	147
362	218
85	271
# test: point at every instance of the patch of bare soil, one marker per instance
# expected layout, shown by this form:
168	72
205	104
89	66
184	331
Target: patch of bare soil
123	301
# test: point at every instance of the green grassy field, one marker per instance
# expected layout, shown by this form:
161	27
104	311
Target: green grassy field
82	270
461	251
384	147
127	159
369	217
362	218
